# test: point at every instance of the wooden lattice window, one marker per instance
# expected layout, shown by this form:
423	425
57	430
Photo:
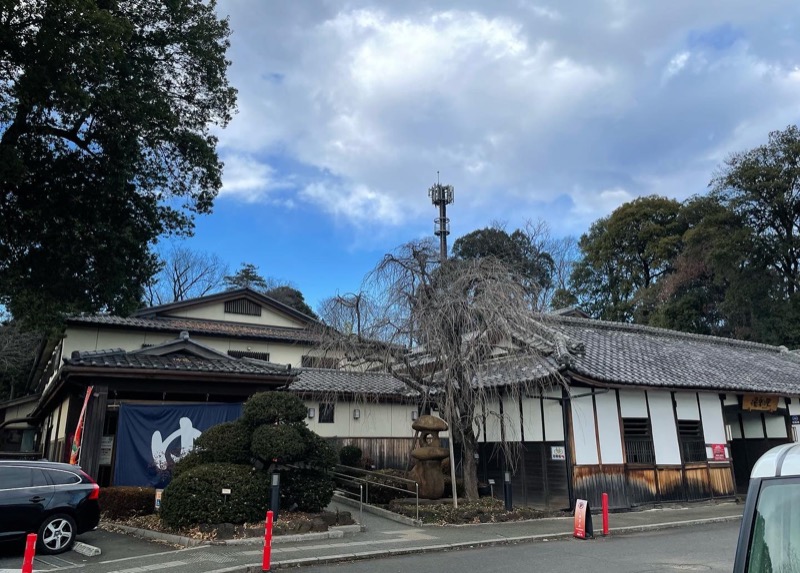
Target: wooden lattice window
247	354
638	441
242	306
693	444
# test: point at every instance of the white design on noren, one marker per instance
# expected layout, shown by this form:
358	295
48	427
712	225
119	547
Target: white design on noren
158	447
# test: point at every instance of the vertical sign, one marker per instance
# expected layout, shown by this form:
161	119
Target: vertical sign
583	520
74	455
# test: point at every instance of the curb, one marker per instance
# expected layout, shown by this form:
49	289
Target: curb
345	557
335	532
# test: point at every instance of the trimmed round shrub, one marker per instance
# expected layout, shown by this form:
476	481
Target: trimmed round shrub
191	460
195	496
311	490
122	502
350	456
273	408
319	453
284	443
227	443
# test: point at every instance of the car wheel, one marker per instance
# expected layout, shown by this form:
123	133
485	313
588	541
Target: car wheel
56	535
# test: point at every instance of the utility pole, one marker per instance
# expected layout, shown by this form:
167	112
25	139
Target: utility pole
442	196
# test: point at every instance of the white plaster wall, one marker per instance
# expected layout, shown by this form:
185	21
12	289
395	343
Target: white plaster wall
713	422
512	422
553	416
665	435
342	416
731	400
532	419
583	433
776	425
375	421
608	427
752	425
61	431
104	339
493	420
686	406
216	311
19	411
633	404
401	420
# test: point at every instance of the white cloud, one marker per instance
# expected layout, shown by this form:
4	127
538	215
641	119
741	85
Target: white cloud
362	102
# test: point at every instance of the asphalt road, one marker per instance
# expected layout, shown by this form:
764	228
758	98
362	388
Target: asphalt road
706	548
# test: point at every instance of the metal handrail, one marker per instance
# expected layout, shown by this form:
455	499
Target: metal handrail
365	483
340	467
346	493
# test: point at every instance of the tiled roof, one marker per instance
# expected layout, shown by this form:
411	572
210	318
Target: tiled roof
197	326
321	381
646	356
118	358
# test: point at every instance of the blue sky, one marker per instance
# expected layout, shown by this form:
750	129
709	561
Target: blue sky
553	111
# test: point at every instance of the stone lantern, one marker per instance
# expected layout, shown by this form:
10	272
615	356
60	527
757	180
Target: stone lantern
428	454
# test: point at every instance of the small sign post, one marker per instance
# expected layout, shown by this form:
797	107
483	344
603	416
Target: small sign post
583	520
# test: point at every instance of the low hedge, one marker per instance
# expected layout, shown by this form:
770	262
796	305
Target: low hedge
122	502
195	496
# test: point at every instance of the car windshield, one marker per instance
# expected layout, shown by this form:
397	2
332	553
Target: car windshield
775	543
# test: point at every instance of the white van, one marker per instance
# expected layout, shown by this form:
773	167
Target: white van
769	538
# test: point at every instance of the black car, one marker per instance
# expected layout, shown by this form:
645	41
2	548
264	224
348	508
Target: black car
55	501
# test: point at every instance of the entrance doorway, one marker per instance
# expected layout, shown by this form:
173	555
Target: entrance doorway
752	435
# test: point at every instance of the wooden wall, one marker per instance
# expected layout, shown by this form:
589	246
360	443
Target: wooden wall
630	486
394	453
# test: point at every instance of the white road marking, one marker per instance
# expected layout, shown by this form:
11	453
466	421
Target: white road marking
174	552
154	567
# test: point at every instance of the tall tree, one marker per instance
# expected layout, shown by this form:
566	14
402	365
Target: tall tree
624	254
18	349
441	328
248	276
762	186
105	111
185	274
532	266
292	298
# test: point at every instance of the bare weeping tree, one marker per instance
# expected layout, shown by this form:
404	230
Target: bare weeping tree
461	334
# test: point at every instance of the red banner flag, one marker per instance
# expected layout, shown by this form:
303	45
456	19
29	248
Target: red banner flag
76	441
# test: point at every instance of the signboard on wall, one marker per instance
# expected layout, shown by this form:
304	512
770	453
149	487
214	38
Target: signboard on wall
795	420
718	452
558	453
760	403
106	448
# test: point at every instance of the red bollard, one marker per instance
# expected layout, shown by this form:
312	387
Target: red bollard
605	514
30	551
267	543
